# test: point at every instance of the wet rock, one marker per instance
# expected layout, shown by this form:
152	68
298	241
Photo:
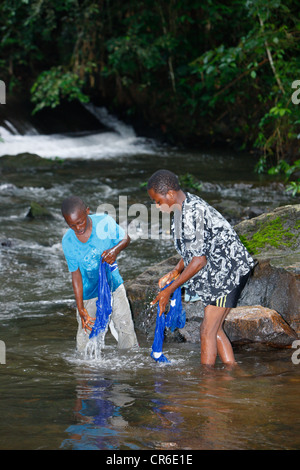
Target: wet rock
273	239
5	242
276	286
257	324
272	233
249	324
27	162
37	211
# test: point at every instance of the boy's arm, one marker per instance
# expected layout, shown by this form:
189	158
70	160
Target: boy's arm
197	263
110	255
78	291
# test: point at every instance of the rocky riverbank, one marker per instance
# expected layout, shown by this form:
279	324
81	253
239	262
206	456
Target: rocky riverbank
268	311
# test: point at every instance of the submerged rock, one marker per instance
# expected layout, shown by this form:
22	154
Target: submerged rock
5	242
27	162
37	211
272	293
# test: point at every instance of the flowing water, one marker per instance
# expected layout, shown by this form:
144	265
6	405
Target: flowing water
51	398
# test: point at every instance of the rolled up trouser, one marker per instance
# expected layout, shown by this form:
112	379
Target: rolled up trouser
120	323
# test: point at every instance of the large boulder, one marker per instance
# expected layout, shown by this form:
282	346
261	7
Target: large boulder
273	239
274	233
257	324
272	291
248	324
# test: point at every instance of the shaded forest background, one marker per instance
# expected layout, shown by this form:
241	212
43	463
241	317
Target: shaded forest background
199	71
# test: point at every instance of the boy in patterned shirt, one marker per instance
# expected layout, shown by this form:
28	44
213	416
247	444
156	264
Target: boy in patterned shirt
214	265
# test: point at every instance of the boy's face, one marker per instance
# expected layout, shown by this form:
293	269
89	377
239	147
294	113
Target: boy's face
78	221
165	203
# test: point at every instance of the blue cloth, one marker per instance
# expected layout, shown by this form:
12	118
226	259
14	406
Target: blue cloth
175	318
106	233
104	302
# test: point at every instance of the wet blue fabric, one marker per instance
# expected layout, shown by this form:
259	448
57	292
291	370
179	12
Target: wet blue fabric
175	318
113	276
104	302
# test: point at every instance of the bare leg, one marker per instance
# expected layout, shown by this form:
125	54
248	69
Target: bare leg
213	338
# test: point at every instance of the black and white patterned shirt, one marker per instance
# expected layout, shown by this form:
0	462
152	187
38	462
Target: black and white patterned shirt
200	230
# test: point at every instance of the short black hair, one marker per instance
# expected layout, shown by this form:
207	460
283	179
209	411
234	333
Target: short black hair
71	204
163	181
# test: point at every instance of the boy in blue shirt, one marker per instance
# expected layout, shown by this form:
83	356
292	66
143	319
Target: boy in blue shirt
89	238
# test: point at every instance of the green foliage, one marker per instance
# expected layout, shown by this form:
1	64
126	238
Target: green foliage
294	187
189	182
284	168
55	84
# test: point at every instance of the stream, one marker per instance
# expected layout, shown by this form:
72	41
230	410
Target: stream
50	397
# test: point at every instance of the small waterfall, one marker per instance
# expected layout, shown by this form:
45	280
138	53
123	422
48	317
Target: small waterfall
101	113
119	140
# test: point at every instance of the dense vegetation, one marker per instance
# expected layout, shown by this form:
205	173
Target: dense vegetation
210	70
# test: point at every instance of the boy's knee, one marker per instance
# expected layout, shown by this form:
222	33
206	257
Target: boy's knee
203	329
208	329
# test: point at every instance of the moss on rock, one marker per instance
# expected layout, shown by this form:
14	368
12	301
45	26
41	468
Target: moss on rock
272	232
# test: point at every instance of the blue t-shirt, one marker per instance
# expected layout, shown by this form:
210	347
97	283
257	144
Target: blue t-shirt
105	234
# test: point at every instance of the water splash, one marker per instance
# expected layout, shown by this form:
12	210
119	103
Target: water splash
94	347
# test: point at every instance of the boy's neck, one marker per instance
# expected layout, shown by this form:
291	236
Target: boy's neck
180	197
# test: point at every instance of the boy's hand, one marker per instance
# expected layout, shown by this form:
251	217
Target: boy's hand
167	278
162	298
109	256
86	320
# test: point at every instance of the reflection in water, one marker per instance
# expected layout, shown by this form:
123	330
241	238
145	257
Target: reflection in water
184	406
97	411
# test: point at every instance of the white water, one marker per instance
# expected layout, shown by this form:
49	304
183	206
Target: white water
94	347
121	140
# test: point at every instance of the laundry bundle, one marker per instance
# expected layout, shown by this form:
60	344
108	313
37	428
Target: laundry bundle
104	302
175	318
